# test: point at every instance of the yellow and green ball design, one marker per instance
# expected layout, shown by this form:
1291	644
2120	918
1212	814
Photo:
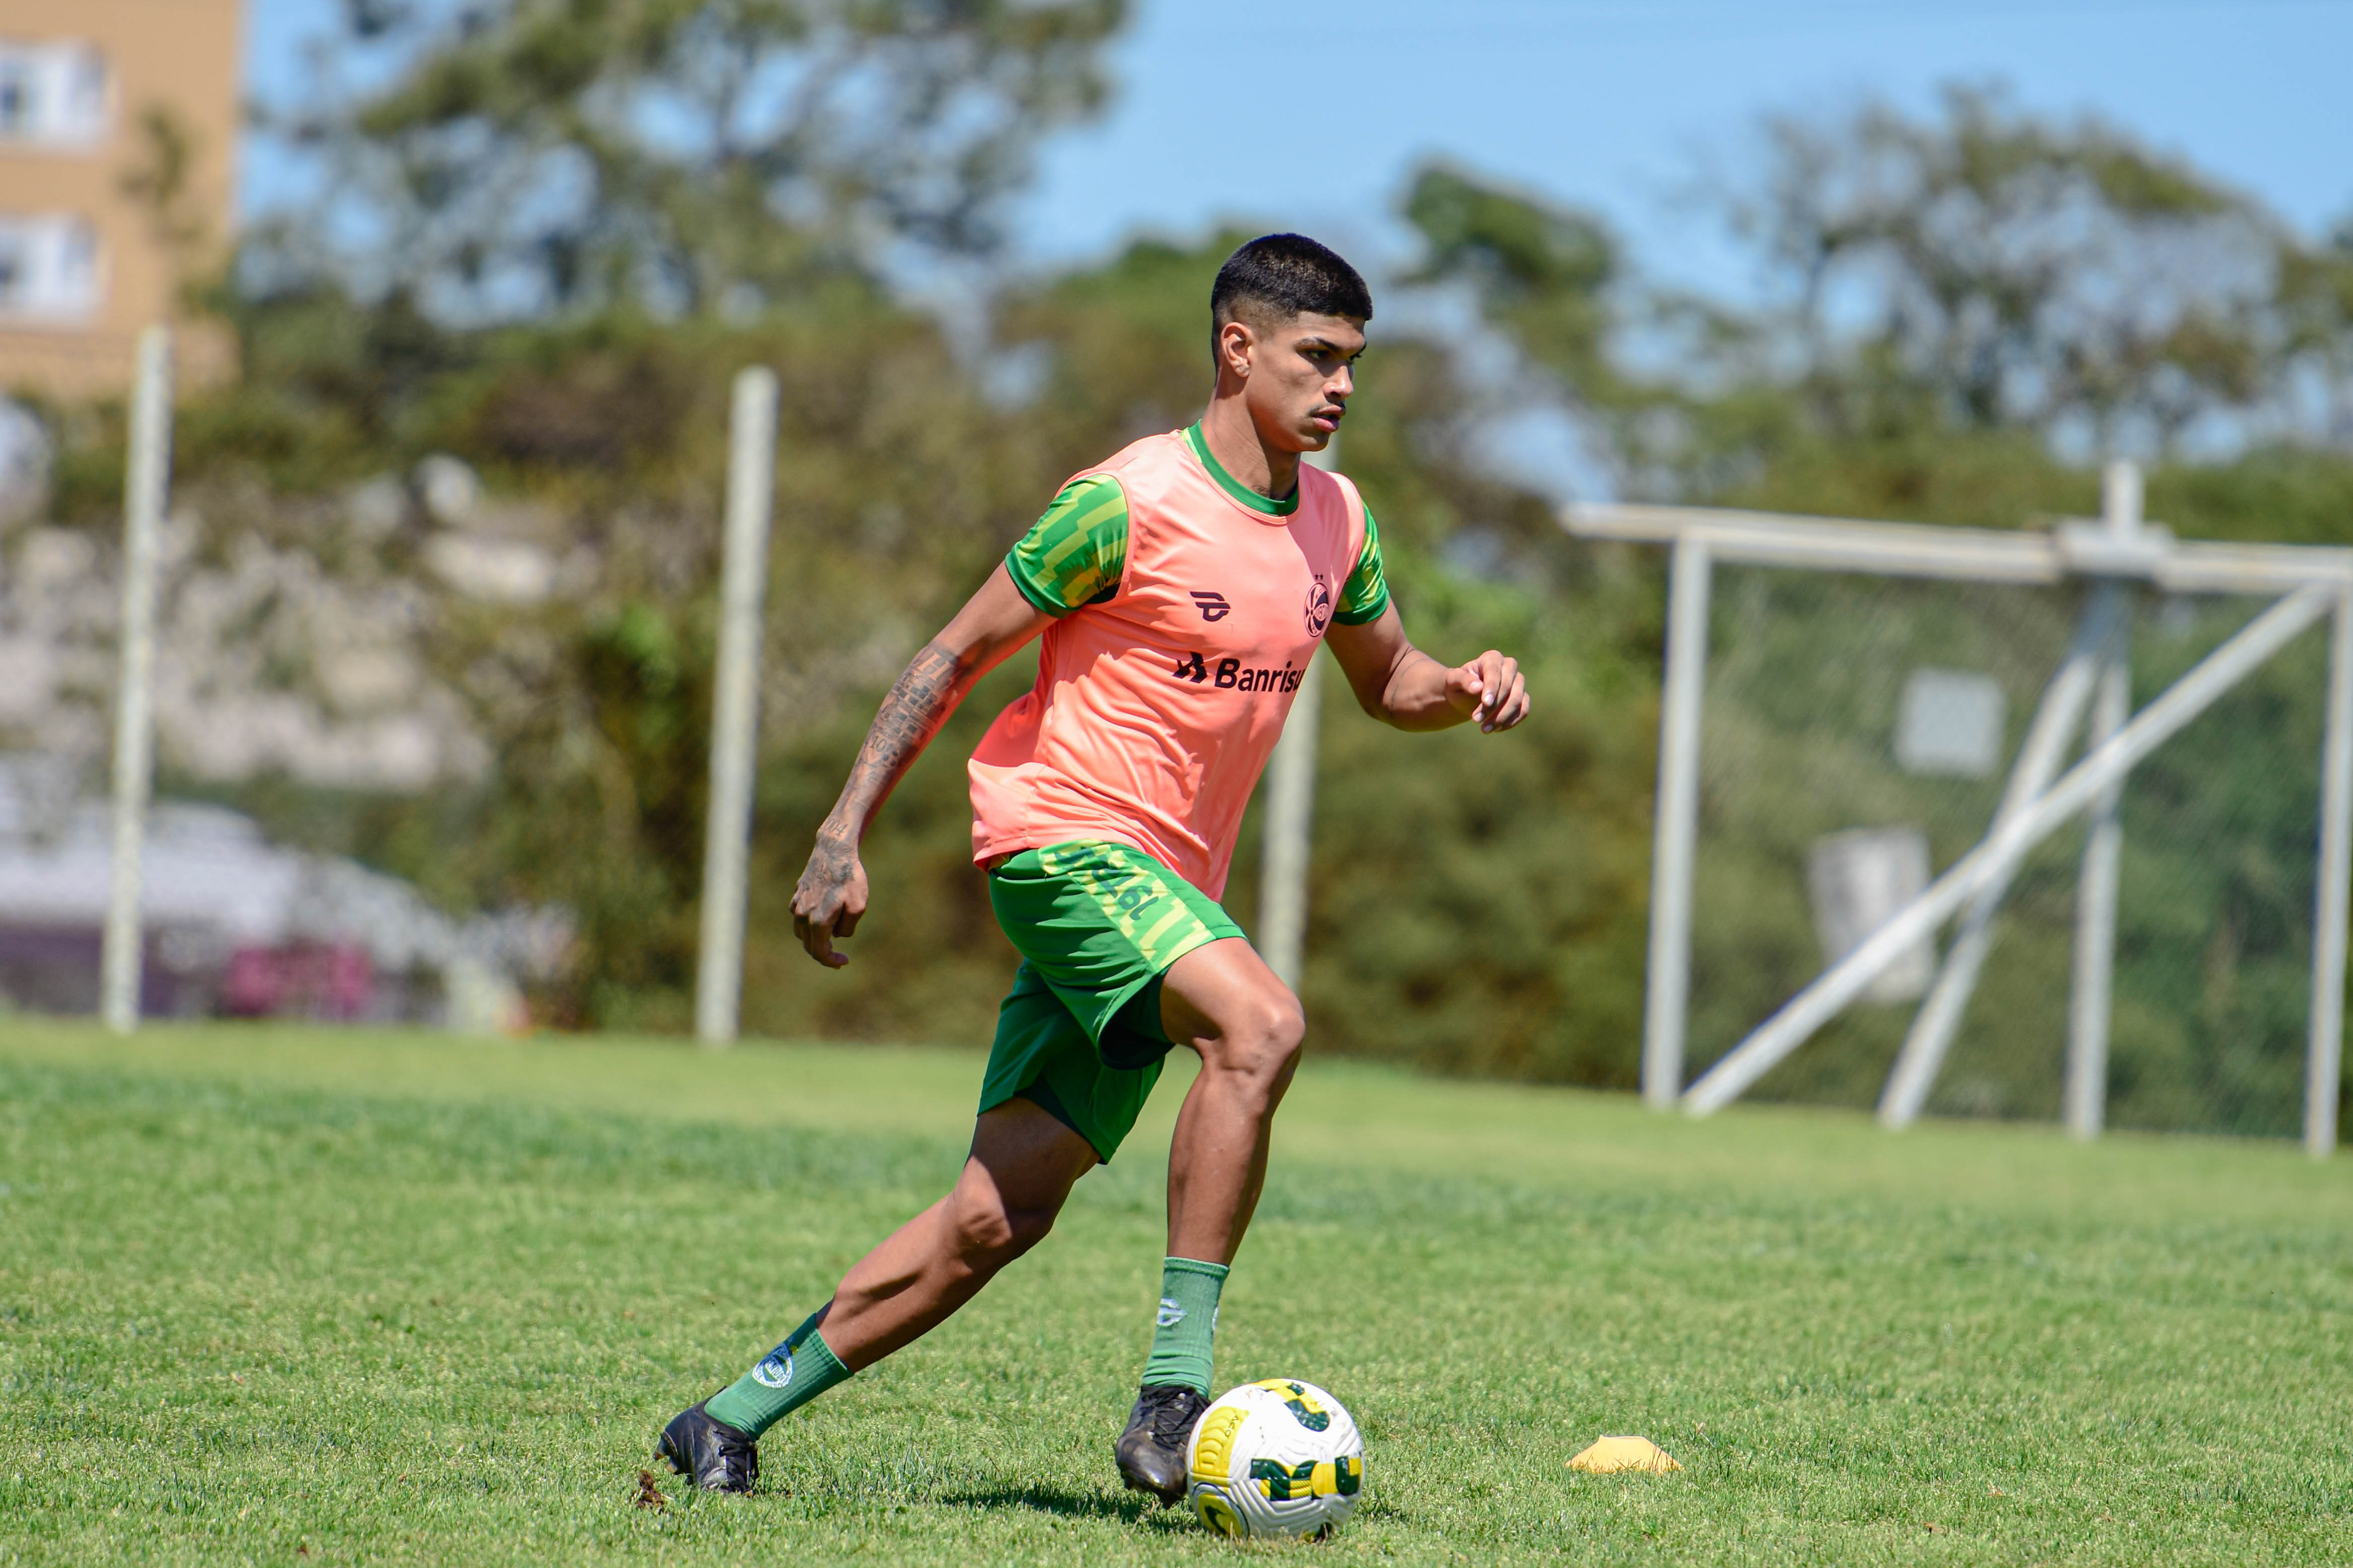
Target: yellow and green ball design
1274	1459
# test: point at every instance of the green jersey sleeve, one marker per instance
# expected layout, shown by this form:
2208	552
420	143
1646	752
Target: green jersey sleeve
1366	594
1074	554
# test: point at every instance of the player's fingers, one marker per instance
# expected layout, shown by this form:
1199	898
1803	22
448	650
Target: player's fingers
1514	706
811	927
846	922
1501	677
1465	679
1499	685
819	942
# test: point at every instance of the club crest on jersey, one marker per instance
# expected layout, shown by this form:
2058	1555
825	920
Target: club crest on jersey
1319	607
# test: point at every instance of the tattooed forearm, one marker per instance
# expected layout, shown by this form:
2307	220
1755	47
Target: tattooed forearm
911	714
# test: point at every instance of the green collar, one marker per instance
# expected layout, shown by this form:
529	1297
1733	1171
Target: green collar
1242	493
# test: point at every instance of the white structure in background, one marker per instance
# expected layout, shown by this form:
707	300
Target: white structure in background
1860	882
735	699
24	463
144	487
1949	723
484	550
1290	814
213	888
2308	584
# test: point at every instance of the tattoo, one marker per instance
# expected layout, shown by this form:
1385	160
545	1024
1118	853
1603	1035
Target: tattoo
911	714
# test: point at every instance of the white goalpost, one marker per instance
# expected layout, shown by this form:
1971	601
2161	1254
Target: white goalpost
736	706
1290	787
2114	555
146	487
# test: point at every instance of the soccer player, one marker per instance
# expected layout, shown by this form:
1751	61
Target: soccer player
1182	586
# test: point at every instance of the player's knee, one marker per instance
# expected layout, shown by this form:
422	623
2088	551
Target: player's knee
1026	1228
1262	1043
987	1233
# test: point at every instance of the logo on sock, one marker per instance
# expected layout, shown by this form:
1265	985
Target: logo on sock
1171	1314
776	1368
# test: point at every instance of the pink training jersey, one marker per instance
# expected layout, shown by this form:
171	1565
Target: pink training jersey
1157	707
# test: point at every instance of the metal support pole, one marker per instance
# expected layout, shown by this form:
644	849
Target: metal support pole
2039	759
1999	853
2324	1062
735	717
146	480
1290	809
1290	815
2086	1092
1666	1002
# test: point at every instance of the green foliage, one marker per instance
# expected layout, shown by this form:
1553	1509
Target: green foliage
1963	300
694	156
298	1296
1963	307
1544	273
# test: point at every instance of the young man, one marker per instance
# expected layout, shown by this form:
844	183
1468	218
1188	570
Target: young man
1182	588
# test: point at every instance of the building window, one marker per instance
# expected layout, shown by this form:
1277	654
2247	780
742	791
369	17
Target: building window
51	268
53	94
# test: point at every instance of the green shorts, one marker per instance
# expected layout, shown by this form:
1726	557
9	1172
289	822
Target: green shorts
1097	925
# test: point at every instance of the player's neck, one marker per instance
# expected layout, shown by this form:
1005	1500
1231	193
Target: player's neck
1233	440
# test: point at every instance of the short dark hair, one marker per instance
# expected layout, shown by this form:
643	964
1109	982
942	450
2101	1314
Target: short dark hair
1285	276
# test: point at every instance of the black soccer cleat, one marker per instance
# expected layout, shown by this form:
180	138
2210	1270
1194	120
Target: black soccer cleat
1152	1450
719	1458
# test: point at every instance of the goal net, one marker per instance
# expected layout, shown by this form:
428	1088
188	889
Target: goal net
2001	824
1857	736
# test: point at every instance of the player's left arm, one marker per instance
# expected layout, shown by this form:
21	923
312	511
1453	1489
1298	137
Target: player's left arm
1399	684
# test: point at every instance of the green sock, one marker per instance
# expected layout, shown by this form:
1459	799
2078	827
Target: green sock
788	1377
1187	1323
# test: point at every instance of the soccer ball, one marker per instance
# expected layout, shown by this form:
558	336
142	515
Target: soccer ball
1273	1458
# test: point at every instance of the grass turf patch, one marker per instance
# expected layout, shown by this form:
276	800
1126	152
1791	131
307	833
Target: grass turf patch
288	1296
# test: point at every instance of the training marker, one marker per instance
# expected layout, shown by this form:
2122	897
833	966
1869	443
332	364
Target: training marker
1612	1454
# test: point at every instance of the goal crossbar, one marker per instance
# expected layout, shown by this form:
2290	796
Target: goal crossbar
2077	547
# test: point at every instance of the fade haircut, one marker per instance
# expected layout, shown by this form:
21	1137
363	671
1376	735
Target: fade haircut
1277	277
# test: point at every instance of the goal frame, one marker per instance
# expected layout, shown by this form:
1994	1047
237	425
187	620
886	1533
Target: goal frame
2113	553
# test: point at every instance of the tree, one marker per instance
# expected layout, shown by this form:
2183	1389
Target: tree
694	156
2063	277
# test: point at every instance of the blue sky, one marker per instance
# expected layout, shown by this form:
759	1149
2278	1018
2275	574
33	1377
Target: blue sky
1309	117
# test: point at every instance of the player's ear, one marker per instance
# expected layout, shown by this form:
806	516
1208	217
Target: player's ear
1235	340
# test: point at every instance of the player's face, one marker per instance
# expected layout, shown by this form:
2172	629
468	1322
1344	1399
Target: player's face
1300	378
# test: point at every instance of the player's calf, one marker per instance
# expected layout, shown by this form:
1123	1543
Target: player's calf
1021	1170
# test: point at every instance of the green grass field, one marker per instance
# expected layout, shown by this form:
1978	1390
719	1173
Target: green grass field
282	1296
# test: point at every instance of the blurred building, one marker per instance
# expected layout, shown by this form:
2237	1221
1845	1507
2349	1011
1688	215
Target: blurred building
118	140
239	927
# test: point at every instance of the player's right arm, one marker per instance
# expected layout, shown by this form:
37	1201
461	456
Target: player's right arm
992	626
1071	557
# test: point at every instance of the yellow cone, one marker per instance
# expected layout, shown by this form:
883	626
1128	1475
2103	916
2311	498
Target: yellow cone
1611	1453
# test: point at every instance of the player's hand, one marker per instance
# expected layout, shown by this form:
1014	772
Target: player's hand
1491	690
830	899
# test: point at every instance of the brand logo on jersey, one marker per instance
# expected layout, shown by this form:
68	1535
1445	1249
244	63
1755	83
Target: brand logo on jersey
1213	606
1229	674
1319	607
